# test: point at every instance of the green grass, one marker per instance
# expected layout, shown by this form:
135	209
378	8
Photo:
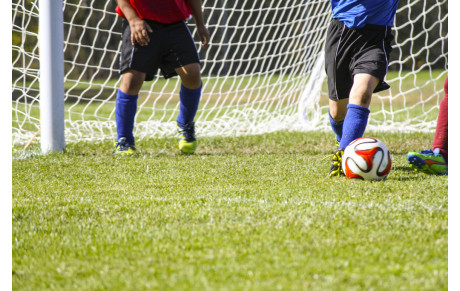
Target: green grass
243	213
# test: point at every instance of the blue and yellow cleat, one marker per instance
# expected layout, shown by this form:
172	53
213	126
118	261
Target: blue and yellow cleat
122	147
428	162
187	139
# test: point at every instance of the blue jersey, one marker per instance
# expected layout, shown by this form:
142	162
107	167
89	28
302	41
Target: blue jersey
358	13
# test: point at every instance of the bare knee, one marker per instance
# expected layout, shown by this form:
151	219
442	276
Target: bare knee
338	109
131	82
361	95
363	87
190	76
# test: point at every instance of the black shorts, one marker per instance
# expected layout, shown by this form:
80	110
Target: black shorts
353	51
171	46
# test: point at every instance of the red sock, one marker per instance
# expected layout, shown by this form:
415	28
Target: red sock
440	136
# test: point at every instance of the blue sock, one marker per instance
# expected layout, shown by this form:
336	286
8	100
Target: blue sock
189	100
125	110
354	124
337	127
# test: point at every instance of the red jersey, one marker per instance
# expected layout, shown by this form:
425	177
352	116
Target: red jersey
164	11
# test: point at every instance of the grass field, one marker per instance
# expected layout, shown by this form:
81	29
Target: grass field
243	213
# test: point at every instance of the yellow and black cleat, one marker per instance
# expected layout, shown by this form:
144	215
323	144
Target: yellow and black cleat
336	167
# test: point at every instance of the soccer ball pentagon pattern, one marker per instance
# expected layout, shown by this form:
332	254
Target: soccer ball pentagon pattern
366	158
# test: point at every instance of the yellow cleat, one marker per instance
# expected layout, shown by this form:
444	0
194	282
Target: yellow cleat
336	167
187	139
123	148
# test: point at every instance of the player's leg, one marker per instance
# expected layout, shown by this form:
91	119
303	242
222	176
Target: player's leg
435	161
338	78
337	113
180	57
355	67
190	94
441	135
125	110
357	114
339	85
354	114
371	47
137	64
131	81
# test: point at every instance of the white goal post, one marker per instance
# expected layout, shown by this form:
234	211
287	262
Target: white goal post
264	71
51	42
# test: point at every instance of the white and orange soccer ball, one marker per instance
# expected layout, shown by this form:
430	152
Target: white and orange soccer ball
366	158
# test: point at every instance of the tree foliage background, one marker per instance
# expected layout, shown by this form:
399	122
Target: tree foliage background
92	36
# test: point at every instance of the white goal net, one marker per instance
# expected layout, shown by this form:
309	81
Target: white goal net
264	70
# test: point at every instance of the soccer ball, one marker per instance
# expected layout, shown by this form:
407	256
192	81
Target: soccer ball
366	158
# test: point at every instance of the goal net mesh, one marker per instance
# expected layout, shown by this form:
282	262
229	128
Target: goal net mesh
264	70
